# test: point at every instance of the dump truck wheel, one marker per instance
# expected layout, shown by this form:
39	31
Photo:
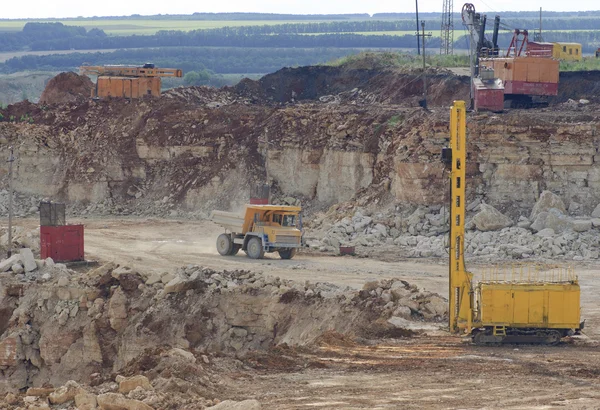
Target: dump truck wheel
224	244
255	249
235	249
287	253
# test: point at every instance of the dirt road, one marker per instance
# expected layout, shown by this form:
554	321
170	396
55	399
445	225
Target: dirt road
159	245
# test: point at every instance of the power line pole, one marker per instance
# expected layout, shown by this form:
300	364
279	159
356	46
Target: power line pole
447	29
422	34
11	159
418	38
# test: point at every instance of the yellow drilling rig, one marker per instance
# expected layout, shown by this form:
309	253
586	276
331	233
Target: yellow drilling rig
522	304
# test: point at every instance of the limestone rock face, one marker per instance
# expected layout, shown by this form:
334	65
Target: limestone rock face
547	201
490	219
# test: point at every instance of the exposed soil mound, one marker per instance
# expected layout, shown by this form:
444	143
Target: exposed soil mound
356	84
65	88
577	85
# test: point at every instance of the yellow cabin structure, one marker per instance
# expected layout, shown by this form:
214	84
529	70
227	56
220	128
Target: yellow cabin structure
567	51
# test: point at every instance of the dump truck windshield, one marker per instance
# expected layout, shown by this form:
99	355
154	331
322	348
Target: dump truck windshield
288	220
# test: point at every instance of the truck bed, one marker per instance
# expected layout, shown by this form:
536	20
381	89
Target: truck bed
229	220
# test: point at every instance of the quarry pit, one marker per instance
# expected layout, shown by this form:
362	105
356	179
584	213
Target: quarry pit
163	321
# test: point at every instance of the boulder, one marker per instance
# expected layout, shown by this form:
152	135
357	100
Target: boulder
553	219
369	286
11	398
490	219
65	393
28	259
17	268
546	233
581	225
7	264
130	383
547	201
86	401
403	312
437	305
177	352
115	401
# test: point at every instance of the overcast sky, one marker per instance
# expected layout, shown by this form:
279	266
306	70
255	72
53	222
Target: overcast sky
70	8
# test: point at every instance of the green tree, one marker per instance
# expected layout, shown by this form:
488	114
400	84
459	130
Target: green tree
201	77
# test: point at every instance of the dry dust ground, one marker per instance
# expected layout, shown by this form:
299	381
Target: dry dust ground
428	371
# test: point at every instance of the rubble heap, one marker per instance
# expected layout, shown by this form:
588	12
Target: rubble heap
59	325
548	232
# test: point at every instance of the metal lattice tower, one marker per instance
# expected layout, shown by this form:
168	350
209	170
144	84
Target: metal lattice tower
447	30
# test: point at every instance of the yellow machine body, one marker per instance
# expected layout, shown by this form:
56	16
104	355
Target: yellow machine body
530	305
523	306
128	81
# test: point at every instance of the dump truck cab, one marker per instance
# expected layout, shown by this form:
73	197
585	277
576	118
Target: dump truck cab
260	229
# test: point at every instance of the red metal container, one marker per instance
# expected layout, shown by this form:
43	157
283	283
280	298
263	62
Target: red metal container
259	201
62	243
347	250
489	95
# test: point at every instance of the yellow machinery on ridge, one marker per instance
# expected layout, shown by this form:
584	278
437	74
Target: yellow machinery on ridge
128	81
520	306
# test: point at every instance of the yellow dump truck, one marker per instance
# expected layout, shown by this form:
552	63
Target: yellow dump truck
260	229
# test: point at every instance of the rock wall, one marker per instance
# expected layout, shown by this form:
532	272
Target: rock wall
198	149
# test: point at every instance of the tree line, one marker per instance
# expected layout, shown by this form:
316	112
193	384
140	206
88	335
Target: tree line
232	60
56	36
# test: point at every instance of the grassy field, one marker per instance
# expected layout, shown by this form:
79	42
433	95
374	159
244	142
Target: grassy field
145	27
